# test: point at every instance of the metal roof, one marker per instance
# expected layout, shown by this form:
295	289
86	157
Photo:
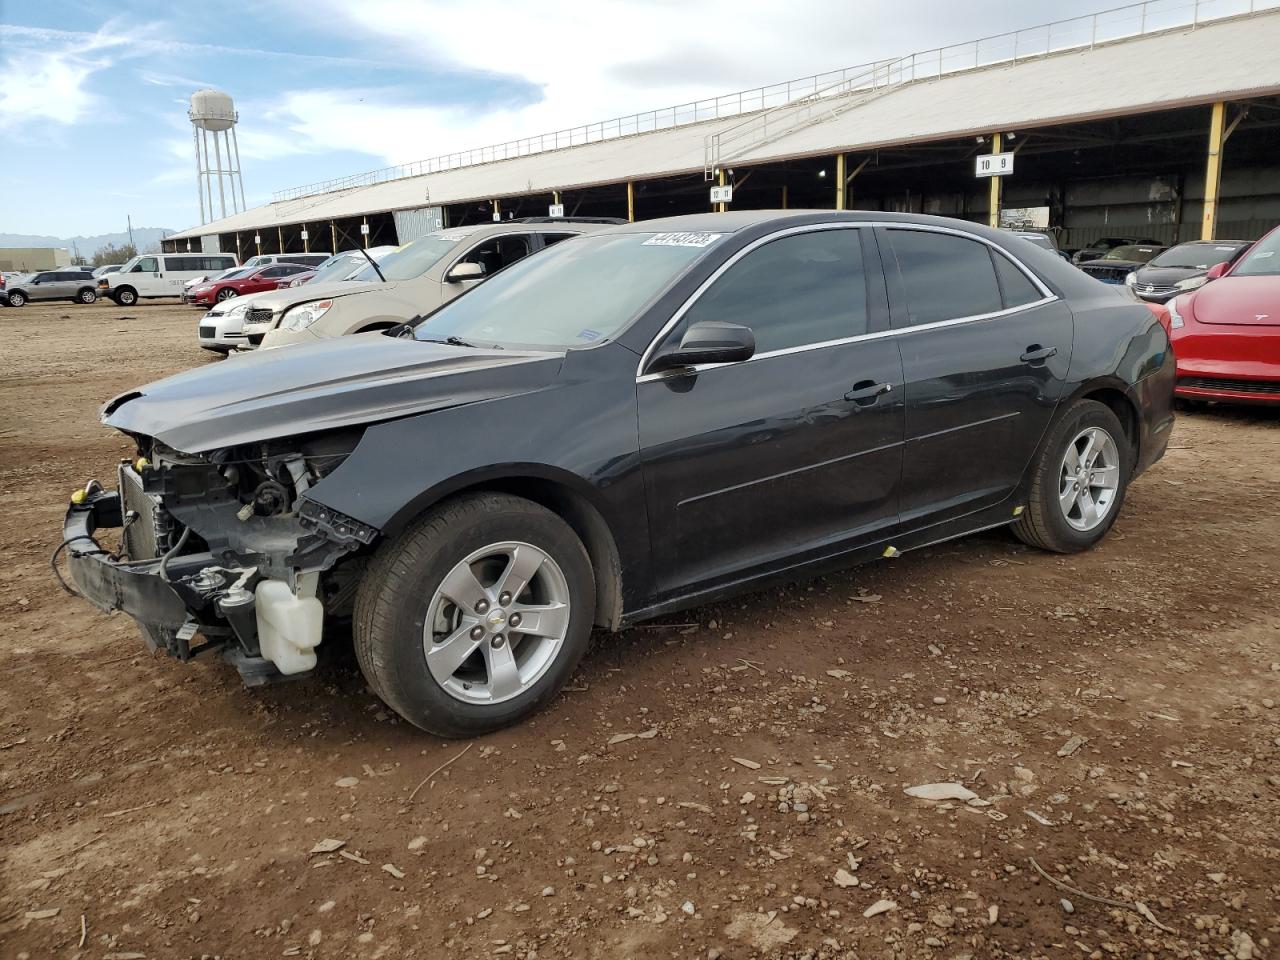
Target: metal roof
1225	59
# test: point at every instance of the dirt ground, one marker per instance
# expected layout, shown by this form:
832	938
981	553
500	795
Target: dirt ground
726	783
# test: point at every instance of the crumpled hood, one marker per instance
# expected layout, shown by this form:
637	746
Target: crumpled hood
343	382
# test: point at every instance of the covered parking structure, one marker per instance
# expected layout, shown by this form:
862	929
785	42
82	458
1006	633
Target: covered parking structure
1155	121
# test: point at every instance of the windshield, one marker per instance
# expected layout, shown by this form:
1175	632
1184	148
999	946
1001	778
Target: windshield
1135	253
1039	239
234	274
1263	258
578	293
1195	256
338	267
413	259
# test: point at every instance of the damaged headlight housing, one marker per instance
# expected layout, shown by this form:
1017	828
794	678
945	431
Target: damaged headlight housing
304	315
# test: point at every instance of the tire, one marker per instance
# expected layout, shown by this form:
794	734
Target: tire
125	296
1049	521
17	298
226	293
87	295
403	607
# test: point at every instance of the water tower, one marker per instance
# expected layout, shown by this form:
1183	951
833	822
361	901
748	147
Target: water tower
214	115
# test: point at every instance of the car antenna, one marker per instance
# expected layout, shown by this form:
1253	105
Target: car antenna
373	263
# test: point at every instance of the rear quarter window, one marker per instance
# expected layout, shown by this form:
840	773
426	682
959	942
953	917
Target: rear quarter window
944	276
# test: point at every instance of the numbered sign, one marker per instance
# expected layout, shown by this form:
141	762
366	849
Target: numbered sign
305	235
364	229
722	194
555	210
993	165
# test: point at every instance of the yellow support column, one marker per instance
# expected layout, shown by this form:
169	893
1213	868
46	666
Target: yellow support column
839	181
306	240
497	210
280	239
720	207
784	196
993	217
1213	172
237	246
631	201
364	233
333	236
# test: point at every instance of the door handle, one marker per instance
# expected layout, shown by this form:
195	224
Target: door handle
1036	353
866	392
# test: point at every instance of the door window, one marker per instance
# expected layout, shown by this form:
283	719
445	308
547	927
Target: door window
146	265
797	290
272	273
499	252
944	277
1016	290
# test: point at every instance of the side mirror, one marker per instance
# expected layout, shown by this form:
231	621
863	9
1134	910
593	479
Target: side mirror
1217	270
466	270
712	341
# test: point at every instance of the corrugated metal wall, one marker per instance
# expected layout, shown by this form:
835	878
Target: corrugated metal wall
412	224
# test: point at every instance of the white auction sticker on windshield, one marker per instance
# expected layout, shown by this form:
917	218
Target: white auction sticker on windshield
682	239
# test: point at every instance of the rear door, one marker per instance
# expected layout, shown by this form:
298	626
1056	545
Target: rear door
796	453
985	350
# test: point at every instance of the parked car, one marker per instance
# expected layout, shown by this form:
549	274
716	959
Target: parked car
107	268
646	418
306	259
1044	241
1120	262
414	280
1100	248
191	284
245	280
1182	268
160	275
222	328
1226	333
66	283
341	266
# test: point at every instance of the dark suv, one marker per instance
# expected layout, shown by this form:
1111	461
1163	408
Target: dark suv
69	283
640	419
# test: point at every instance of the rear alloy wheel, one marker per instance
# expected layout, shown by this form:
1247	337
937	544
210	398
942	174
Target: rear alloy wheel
1078	480
476	615
226	293
86	296
17	298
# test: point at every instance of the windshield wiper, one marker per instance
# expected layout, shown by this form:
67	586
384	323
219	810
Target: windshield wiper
373	263
453	342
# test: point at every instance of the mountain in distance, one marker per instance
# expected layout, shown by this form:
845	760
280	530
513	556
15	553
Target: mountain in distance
144	237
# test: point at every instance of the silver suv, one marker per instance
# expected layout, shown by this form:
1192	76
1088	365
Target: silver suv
68	284
414	280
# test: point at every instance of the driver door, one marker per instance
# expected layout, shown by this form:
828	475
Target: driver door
796	453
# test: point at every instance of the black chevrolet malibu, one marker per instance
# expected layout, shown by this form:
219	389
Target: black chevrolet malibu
645	418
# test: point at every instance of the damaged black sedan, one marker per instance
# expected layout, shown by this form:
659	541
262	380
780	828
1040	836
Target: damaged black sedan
635	421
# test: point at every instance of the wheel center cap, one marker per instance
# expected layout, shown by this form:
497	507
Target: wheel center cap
496	618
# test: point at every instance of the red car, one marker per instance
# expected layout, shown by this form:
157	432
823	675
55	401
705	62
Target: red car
1226	334
248	280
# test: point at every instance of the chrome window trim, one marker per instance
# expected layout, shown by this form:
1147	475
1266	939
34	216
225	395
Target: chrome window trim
1049	296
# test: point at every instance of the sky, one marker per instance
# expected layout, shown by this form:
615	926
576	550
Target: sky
93	95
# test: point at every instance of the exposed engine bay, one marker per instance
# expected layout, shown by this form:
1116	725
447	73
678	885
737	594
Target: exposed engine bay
231	535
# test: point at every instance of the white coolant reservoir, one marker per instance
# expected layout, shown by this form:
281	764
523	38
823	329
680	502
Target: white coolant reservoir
288	626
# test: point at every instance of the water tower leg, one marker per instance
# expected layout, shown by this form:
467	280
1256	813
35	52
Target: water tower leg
208	179
195	136
235	141
217	152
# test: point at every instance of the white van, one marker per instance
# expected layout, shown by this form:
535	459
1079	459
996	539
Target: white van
306	259
160	275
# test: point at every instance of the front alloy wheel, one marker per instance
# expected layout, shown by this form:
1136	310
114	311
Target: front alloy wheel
476	615
497	622
226	293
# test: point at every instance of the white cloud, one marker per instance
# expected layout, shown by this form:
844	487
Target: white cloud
598	61
44	74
